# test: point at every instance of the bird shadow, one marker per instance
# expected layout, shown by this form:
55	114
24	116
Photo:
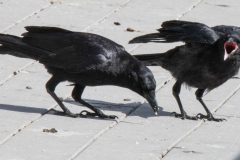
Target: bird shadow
237	157
145	110
24	109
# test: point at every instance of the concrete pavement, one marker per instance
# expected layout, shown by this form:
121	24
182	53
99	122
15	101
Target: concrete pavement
138	135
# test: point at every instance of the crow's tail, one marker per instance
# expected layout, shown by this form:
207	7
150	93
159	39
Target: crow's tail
14	45
152	37
155	59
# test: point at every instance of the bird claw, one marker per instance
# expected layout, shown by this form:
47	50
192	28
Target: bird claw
209	117
86	114
183	116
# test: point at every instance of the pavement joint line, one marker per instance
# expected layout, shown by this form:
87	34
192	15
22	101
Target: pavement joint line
228	97
25	18
169	149
190	9
228	116
107	15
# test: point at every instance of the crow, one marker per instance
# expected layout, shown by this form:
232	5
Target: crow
207	59
84	59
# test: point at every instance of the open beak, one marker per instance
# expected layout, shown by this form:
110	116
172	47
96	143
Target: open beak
229	48
150	96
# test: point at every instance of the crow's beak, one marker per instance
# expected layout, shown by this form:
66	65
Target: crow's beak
229	48
150	96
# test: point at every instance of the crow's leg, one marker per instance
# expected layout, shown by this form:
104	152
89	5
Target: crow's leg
77	93
209	116
176	90
50	86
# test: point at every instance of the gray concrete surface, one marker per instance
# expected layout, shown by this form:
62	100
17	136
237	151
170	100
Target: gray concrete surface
138	135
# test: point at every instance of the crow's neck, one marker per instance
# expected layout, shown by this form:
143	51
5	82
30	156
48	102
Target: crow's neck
231	66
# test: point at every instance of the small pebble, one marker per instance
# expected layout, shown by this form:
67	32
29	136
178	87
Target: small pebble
52	130
126	99
117	23
28	87
130	29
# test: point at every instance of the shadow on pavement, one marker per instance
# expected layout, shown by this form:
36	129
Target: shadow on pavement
145	110
25	109
237	158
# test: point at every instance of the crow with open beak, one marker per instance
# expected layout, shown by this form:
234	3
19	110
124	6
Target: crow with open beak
209	57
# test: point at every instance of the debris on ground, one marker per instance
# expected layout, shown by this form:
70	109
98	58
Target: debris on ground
126	99
14	73
130	29
117	23
52	130
28	87
55	1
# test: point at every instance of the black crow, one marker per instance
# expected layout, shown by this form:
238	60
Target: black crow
84	59
209	57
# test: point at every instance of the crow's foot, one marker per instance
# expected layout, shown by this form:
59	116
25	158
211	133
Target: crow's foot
183	116
100	114
210	117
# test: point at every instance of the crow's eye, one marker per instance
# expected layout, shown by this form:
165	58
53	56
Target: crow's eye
230	46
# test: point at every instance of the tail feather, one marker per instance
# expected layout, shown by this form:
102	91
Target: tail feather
6	50
155	59
152	37
14	43
165	36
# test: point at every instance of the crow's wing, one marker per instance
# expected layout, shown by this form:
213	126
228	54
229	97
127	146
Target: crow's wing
174	31
48	38
46	29
75	51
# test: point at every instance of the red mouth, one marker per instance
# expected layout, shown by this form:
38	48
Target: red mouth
230	47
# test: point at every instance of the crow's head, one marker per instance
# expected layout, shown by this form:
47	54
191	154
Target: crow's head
146	86
231	47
